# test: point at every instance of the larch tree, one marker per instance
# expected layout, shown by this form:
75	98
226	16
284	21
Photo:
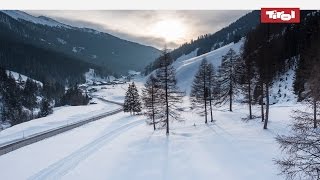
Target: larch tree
312	54
151	100
212	83
301	147
201	90
227	78
168	90
247	72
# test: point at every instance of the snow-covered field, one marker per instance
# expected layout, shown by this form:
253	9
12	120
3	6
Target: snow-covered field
115	92
124	147
62	116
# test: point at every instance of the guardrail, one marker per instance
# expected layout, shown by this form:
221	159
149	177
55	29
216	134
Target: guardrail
18	143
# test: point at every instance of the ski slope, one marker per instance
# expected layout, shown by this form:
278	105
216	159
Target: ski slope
186	68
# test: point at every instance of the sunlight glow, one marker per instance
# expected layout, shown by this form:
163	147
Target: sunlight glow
170	30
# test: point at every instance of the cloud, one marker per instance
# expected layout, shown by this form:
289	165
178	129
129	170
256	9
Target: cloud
135	25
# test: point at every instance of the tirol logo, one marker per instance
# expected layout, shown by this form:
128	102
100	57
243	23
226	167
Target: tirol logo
280	15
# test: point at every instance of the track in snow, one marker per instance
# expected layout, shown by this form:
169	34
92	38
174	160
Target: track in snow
66	164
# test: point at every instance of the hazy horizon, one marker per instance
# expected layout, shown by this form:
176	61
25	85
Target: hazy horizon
151	28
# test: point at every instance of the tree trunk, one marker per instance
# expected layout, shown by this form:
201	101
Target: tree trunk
167	102
261	101
315	114
267	107
211	109
230	94
205	109
152	104
249	93
205	98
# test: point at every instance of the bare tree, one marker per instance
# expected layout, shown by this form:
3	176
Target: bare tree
151	100
302	148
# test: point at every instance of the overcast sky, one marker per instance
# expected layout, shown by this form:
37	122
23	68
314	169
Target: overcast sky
153	28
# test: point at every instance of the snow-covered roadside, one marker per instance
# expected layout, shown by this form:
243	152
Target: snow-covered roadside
227	149
62	116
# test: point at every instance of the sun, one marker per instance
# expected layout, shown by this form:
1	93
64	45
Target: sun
170	30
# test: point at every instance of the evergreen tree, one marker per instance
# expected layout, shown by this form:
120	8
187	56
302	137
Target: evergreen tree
136	103
45	108
227	80
53	90
74	97
202	88
132	102
127	100
169	91
12	101
29	94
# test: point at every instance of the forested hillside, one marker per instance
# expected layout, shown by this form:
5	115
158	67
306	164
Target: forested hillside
42	64
112	54
272	49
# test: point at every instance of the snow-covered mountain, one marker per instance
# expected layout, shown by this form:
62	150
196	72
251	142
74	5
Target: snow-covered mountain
208	42
231	33
88	45
187	68
20	15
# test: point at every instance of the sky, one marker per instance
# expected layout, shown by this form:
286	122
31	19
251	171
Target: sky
152	28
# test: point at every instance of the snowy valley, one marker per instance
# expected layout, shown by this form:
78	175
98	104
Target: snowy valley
124	146
241	104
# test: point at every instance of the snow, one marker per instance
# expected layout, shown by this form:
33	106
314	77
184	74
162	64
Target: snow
187	68
112	92
134	73
124	147
77	49
61	116
61	41
24	78
282	89
20	15
91	77
187	56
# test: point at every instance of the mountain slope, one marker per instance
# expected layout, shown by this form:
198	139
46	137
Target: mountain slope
208	42
88	45
231	33
187	68
40	63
